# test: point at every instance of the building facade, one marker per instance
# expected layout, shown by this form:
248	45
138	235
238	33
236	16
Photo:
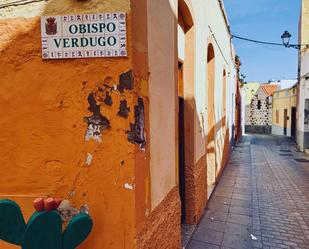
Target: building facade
139	140
208	101
303	84
238	100
284	112
259	112
248	92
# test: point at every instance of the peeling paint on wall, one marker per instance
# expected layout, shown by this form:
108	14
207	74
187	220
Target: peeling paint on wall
128	186
136	135
67	211
108	99
89	159
108	80
124	109
71	194
52	154
125	81
97	123
84	209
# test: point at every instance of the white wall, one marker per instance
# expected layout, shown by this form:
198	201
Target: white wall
181	43
243	110
211	27
303	94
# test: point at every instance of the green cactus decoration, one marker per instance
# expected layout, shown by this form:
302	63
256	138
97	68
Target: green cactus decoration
12	223
43	230
77	231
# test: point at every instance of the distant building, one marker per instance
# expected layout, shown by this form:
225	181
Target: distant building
302	136
284	112
282	84
259	111
248	91
285	84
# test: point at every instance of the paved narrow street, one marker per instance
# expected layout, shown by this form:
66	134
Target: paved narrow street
263	192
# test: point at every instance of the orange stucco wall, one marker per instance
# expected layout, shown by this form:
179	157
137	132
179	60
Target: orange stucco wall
43	147
131	192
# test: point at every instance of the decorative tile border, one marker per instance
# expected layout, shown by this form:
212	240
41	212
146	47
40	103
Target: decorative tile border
84	36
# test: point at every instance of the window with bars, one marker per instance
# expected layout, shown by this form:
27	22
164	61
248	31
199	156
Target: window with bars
259	105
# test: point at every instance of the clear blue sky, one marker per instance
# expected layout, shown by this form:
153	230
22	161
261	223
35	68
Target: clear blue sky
265	20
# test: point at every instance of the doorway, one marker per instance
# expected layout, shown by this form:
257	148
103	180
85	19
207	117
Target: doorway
285	124
224	102
211	145
181	141
186	50
293	122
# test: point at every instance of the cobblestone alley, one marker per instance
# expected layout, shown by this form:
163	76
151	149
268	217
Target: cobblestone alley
261	201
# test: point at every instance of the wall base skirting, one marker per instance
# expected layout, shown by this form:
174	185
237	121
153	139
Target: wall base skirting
278	130
302	140
196	191
162	229
259	129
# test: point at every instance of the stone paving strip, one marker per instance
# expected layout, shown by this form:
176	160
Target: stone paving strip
261	201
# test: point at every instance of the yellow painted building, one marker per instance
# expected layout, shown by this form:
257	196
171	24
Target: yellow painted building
284	112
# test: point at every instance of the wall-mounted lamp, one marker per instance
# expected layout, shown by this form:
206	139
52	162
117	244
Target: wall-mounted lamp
286	36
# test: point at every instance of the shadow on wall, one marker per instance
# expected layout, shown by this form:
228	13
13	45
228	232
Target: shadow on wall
196	134
223	146
195	172
197	177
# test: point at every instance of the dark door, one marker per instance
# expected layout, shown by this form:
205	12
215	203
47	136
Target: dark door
181	140
285	120
293	122
181	155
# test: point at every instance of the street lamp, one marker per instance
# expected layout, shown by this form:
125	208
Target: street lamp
286	36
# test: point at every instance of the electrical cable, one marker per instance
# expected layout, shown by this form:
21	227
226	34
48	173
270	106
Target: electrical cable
256	41
13	2
18	3
268	43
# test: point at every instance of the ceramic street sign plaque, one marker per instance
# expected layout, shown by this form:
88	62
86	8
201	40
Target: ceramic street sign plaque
84	36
